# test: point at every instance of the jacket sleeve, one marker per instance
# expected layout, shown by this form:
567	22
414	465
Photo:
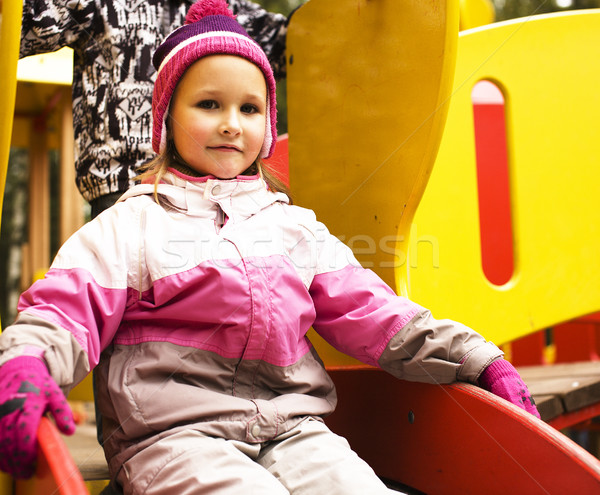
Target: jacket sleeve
73	313
268	29
48	25
360	315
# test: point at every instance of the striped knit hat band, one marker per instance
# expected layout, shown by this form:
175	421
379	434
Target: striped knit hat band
210	29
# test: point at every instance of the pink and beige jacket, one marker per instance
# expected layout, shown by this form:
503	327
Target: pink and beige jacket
194	313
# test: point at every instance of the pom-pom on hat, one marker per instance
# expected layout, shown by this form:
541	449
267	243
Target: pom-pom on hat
210	28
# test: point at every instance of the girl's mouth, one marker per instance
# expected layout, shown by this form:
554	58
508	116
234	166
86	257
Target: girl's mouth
227	148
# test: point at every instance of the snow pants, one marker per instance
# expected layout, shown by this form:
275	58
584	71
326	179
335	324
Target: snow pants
307	460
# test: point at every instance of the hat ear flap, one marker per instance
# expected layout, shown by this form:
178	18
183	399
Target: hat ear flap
163	133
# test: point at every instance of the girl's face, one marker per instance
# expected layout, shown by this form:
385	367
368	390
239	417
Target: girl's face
218	115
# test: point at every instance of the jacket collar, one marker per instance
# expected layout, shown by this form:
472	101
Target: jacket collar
239	198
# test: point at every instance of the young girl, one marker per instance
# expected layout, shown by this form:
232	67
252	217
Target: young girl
192	298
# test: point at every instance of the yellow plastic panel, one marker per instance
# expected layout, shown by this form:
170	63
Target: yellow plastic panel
84	390
10	33
474	13
38	99
546	70
54	68
368	87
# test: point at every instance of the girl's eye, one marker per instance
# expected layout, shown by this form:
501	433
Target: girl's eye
249	108
208	104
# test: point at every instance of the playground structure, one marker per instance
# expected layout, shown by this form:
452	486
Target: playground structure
363	140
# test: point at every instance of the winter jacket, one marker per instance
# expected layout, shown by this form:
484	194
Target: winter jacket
113	76
196	312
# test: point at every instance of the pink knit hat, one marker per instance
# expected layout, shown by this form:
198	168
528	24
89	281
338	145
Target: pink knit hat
210	28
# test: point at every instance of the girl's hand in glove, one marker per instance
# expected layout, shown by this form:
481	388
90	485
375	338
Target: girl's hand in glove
502	379
27	392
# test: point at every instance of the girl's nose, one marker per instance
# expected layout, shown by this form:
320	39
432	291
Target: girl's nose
231	123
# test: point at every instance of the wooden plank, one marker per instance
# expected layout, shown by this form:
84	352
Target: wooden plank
562	386
586	368
576	392
70	201
39	203
576	384
87	453
549	406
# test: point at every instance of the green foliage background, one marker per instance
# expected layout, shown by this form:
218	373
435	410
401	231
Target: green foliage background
510	9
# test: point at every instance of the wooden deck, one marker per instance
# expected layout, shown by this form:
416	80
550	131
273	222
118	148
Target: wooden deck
566	394
87	453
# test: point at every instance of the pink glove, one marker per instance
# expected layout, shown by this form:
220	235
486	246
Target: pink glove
502	379
26	392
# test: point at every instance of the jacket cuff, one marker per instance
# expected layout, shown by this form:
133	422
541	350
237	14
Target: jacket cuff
473	364
21	350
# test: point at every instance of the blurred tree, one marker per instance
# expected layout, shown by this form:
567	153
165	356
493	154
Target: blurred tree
14	233
282	6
